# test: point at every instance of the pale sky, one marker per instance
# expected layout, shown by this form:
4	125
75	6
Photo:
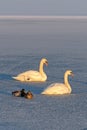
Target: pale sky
43	7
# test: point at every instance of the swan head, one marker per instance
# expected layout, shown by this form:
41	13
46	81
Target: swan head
44	61
69	72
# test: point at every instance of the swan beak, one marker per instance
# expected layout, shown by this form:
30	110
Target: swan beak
46	63
72	74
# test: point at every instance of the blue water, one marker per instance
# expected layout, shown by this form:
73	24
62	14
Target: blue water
22	45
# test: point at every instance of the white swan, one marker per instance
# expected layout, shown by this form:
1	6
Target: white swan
60	88
32	75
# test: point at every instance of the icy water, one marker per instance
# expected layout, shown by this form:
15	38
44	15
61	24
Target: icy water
23	42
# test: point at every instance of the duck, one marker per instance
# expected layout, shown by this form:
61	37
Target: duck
60	88
33	75
29	95
19	93
23	93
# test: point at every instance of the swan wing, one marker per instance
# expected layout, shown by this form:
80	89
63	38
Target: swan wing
31	75
56	88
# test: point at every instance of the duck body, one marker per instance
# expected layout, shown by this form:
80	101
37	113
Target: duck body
29	95
16	93
59	88
23	93
19	93
32	75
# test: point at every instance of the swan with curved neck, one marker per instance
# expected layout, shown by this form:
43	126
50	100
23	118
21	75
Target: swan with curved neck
60	88
32	75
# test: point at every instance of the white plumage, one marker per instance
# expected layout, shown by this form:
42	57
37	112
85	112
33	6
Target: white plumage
32	75
59	88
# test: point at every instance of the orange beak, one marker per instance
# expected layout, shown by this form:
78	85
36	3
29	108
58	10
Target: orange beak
72	75
46	63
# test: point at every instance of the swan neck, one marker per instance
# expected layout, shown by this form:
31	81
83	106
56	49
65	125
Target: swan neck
41	71
66	82
41	68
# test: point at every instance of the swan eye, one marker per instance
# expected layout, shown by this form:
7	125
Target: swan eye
46	62
71	73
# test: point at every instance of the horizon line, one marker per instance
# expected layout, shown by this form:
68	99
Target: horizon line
41	17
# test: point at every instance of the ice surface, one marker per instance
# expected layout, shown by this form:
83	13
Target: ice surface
22	44
67	112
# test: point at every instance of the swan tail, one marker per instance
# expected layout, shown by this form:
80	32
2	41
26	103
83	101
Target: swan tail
43	92
20	78
15	78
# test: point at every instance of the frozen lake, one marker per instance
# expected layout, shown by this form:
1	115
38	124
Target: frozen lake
23	42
